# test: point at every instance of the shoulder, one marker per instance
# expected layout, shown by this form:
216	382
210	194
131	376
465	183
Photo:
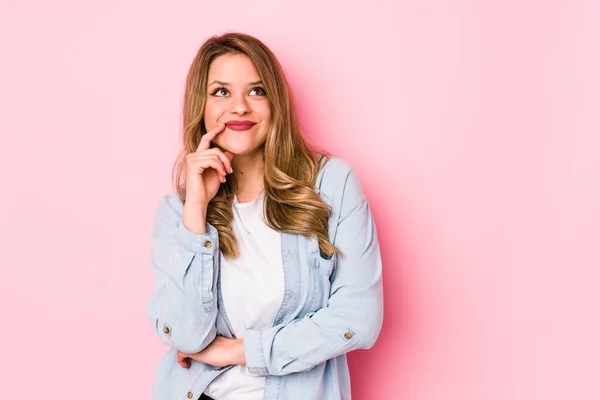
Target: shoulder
339	182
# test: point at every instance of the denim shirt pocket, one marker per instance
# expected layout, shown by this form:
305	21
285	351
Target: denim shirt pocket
322	270
326	265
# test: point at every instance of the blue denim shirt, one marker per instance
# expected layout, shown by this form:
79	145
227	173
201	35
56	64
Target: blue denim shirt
331	305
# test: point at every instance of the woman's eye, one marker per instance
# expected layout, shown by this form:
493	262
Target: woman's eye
220	92
259	91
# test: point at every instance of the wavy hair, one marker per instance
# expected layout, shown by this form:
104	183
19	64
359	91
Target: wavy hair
292	203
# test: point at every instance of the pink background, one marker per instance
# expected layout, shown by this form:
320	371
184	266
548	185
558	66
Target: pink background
473	125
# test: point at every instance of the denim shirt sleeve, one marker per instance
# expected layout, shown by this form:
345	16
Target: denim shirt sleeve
353	316
182	307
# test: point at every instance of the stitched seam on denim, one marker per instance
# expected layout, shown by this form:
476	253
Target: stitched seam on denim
352	210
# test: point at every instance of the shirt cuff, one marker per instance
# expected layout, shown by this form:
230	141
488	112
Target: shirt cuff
198	243
253	351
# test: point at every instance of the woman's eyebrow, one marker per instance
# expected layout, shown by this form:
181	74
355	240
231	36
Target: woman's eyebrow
227	83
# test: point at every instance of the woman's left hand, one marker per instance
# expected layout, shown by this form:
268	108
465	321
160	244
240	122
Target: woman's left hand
220	353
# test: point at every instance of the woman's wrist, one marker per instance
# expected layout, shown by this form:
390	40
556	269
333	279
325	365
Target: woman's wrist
238	356
194	219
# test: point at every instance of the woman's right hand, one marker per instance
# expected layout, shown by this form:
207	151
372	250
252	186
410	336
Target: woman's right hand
206	169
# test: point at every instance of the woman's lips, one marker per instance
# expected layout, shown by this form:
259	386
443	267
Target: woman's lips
240	125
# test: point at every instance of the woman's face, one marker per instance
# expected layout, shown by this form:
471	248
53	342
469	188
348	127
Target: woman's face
235	93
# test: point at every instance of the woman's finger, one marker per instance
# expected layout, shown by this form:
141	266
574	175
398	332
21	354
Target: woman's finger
200	162
224	157
182	359
214	162
208	137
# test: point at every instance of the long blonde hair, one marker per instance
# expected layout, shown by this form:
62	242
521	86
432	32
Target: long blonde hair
292	203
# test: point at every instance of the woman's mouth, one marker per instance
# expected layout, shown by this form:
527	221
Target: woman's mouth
240	125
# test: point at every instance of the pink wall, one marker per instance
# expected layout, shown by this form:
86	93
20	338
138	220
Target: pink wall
473	125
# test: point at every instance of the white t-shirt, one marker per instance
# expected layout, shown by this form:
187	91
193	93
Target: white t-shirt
252	286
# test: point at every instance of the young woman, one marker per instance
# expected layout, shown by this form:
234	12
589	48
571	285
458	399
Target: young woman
266	260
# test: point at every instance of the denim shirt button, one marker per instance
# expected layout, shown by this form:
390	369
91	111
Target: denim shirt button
190	395
208	245
348	335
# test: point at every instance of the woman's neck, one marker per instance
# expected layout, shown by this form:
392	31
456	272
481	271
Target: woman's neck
249	172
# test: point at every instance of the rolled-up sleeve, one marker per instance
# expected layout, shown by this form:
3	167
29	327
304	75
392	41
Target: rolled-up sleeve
182	307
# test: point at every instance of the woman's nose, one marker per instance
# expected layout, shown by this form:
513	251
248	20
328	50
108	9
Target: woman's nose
239	105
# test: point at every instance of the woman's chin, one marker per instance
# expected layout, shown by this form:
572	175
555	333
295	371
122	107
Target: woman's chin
237	148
